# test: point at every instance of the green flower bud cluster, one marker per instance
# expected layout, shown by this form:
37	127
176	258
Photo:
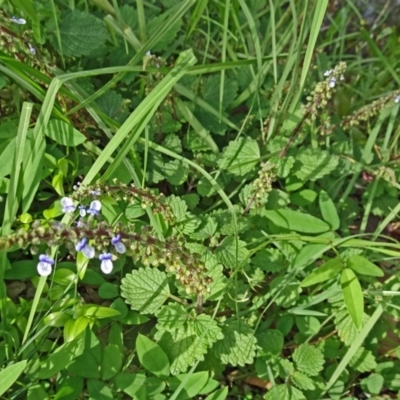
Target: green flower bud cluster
370	110
324	90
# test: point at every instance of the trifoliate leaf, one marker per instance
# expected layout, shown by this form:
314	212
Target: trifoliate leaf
110	103
284	392
240	157
363	360
81	33
314	164
308	359
145	289
232	253
270	341
302	381
286	291
238	346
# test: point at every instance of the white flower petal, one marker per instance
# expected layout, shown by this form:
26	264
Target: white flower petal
95	205
106	266
44	268
120	247
88	251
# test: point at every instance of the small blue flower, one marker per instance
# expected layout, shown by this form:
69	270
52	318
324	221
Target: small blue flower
94	208
82	211
45	264
32	50
118	245
67	205
87	250
106	263
332	82
95	192
19	21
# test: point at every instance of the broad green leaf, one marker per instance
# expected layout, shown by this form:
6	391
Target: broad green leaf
64	133
151	356
10	374
363	360
219	394
284	392
353	296
94	311
193	386
74	327
130	383
81	33
69	388
240	157
296	221
99	390
146	290
362	266
328	210
85	366
238	346
231	253
373	383
315	164
270	341
111	362
308	359
108	291
56	319
302	381
285	292
330	270
344	324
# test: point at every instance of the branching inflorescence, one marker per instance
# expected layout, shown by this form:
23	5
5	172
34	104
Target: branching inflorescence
96	238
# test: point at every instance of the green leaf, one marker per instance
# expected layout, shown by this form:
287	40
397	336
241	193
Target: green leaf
99	390
85	366
286	292
64	133
108	291
308	359
193	384
232	254
347	331
152	357
284	392
362	266
271	342
110	103
328	210
373	384
10	374
81	33
296	221
130	383
111	362
219	394
94	311
363	360
69	388
330	270
238	346
145	290
315	164
240	157
211	90
302	381
353	296
74	327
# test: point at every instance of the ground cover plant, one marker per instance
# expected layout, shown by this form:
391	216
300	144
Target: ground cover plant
199	200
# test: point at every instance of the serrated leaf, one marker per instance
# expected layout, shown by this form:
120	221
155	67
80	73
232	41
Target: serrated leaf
270	341
238	346
176	172
347	331
328	210
110	103
330	270
211	91
168	36
363	266
296	221
231	253
308	359
315	164
171	317
145	290
172	142
63	133
269	260
302	381
284	292
353	296
178	207
81	33
284	392
240	157
363	360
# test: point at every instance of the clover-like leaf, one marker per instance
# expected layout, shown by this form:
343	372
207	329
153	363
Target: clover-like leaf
145	290
238	346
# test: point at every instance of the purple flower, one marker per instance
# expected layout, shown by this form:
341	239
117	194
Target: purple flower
95	192
45	264
87	250
118	245
94	208
106	263
67	205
